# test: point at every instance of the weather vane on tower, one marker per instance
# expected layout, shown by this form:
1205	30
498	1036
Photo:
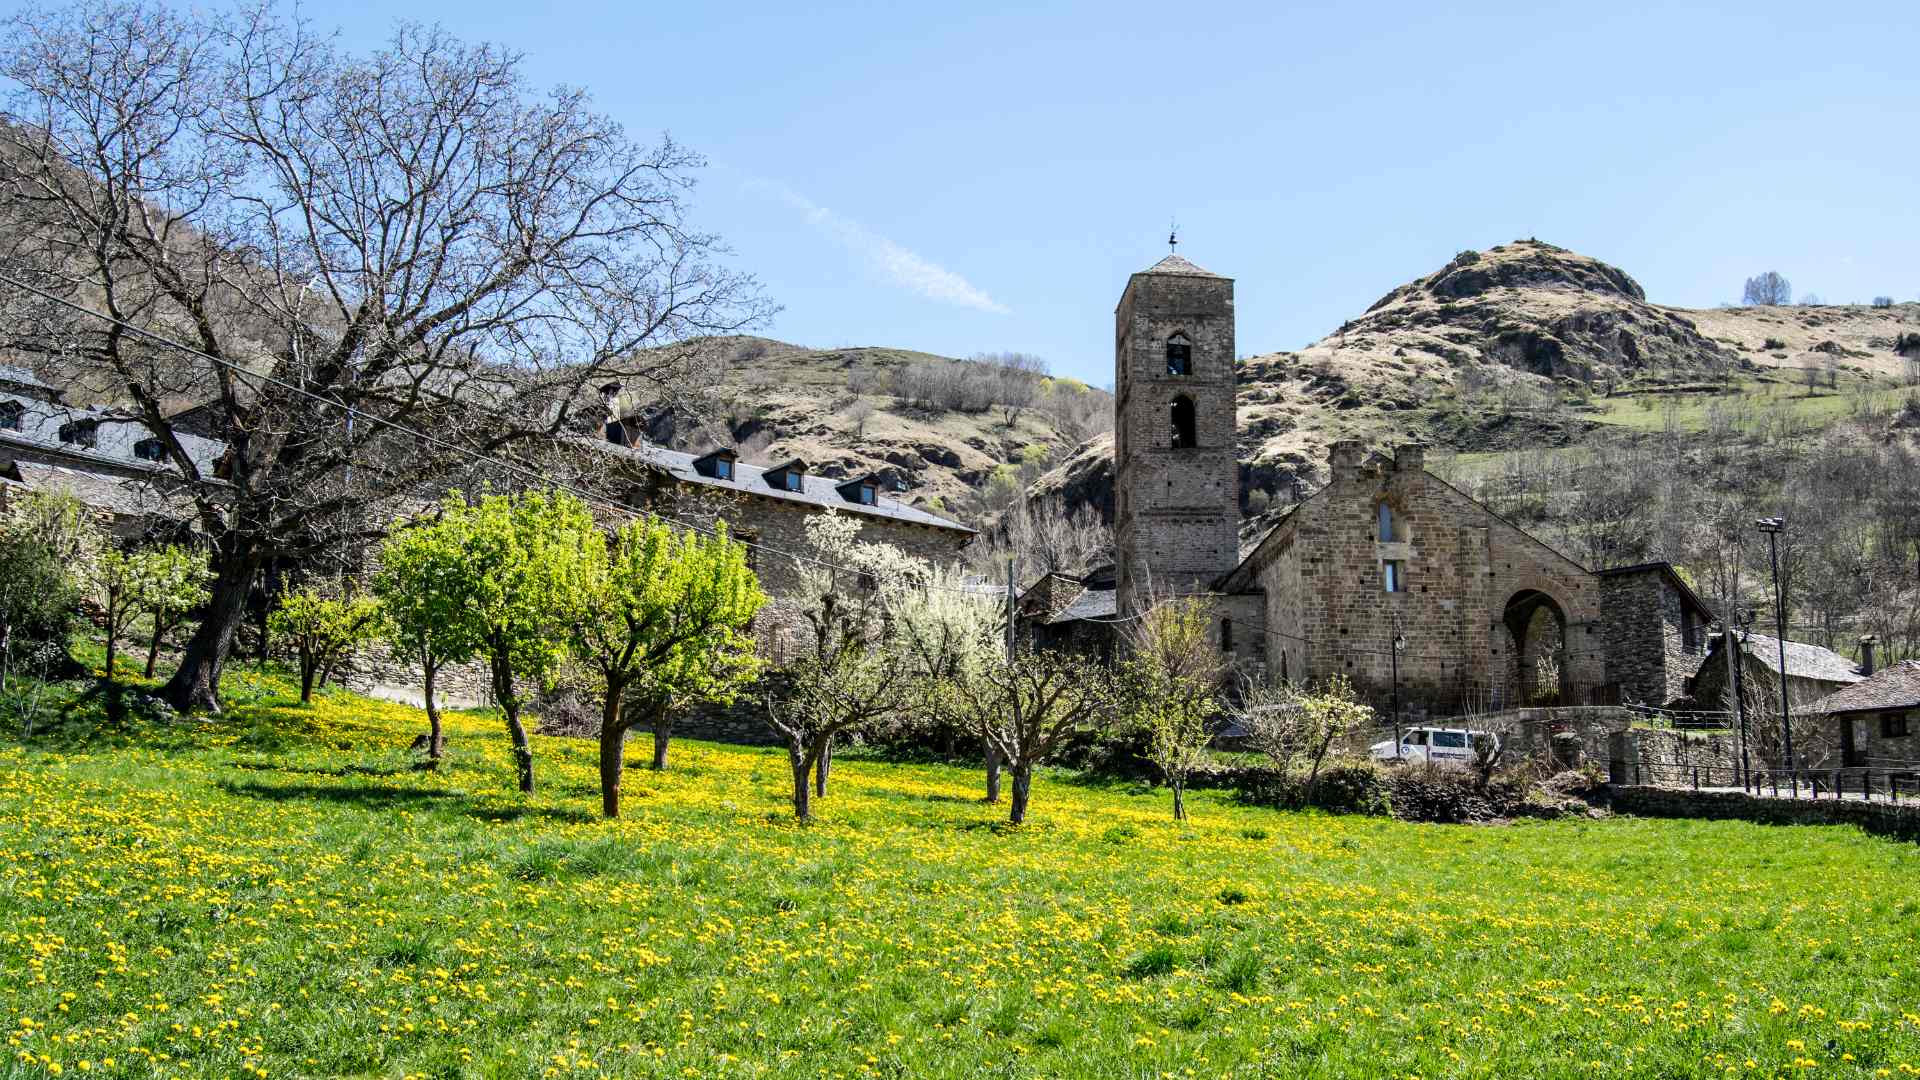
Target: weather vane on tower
1173	236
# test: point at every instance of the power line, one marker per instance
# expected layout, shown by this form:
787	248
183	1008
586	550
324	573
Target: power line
512	467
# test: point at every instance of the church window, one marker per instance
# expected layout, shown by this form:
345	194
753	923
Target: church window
1395	575
1183	433
1179	355
1226	635
1386	523
1389	526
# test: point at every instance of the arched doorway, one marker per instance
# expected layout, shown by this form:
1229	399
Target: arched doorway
1537	625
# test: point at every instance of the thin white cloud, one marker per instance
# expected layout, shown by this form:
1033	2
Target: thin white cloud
905	268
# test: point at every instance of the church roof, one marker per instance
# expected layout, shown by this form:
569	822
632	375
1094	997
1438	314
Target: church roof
1174	264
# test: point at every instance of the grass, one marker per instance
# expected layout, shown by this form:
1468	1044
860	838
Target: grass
279	893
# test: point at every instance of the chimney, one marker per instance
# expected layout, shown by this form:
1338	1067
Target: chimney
610	397
1410	457
1343	459
1866	653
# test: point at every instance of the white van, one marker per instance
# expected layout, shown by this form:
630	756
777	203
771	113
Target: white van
1441	746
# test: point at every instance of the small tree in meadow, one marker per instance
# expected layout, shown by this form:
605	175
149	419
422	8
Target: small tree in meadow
46	546
1030	707
116	587
325	631
856	674
177	584
1172	678
664	620
1295	727
527	570
431	602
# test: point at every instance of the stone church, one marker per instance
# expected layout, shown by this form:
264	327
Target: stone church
1387	575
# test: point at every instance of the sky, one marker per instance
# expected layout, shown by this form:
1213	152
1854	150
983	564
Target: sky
965	178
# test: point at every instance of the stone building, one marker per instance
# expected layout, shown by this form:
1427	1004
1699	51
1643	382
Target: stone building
1388	575
1812	673
767	507
1875	722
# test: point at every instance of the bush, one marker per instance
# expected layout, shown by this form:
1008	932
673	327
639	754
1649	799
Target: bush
1883	301
1345	787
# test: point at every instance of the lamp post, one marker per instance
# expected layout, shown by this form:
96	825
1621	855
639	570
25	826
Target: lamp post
1399	646
1772	527
1736	654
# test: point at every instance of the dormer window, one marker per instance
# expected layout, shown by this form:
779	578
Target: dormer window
10	413
865	491
150	450
718	464
80	433
1183	424
788	477
1179	355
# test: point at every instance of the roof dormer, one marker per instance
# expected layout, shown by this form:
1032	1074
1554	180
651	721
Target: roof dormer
718	464
864	490
791	476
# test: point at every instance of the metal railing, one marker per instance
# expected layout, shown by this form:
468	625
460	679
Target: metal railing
1897	783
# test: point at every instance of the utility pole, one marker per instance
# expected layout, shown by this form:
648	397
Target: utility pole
1772	527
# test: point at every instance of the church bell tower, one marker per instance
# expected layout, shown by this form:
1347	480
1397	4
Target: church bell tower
1176	471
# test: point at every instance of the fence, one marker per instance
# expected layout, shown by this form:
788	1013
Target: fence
1893	783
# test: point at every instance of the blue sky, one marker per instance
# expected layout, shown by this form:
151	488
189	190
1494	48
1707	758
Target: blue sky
962	178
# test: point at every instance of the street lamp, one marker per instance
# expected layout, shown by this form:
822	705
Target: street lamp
1736	655
1772	527
1399	646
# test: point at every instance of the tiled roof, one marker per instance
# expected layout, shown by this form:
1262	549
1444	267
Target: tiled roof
1174	264
1803	661
1090	604
1896	687
751	479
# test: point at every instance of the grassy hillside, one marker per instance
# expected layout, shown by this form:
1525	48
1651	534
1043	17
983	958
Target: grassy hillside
279	894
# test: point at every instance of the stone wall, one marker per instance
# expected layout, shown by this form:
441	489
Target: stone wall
1645	634
1661	758
1176	511
1900	820
1326	605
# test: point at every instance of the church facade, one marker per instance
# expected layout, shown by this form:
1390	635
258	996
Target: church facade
1387	575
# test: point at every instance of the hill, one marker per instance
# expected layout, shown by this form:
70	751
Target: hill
278	892
1523	346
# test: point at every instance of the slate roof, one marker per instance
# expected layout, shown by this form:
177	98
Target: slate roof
20	376
819	491
115	437
119	496
1090	604
1803	661
1896	687
1174	264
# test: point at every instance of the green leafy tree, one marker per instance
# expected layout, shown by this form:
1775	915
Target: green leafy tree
1173	676
664	622
430	596
46	544
325	631
177	581
117	587
529	562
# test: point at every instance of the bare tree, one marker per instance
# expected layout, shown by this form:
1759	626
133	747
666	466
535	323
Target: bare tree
1768	288
1046	538
1032	705
413	235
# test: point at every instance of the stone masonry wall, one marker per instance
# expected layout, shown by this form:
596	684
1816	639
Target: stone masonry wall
1644	634
1177	513
1900	821
1323	580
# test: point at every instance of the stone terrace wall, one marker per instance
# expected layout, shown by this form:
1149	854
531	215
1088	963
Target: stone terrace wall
1658	758
1900	821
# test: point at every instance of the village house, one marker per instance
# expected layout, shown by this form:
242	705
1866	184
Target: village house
1812	673
1388	575
1874	723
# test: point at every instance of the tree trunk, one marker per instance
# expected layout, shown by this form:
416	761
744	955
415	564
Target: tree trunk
112	638
613	748
1179	800
153	650
1022	788
797	758
436	739
195	686
509	704
309	670
662	734
993	773
821	769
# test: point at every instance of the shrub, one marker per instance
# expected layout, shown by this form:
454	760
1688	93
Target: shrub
1345	787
